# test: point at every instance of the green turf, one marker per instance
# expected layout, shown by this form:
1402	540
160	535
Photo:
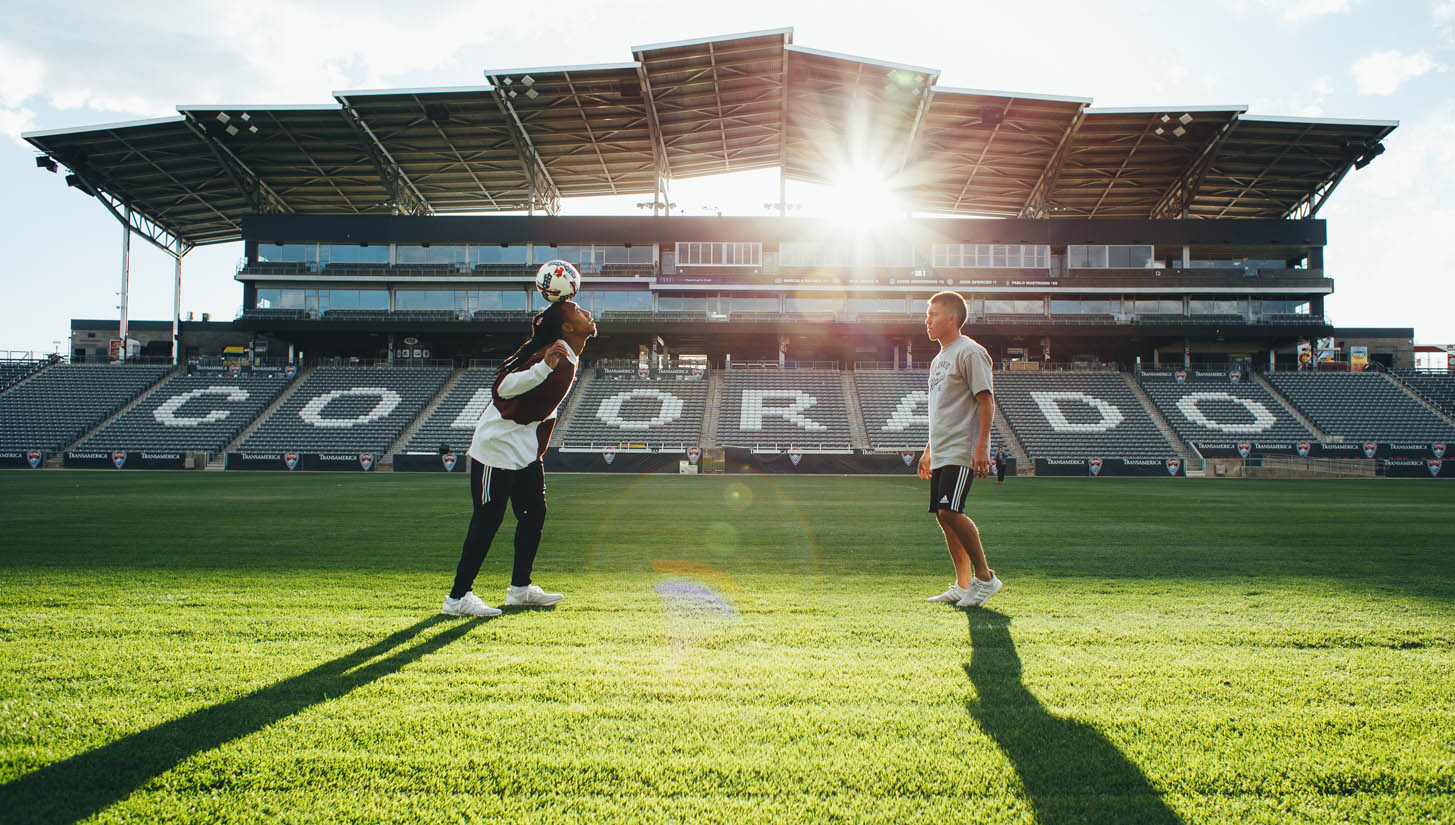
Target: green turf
264	648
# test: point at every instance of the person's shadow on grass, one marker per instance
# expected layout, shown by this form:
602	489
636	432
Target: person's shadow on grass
1069	770
78	787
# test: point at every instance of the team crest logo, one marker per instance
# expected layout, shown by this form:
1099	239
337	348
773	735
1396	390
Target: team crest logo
1244	449
1438	450
795	456
1094	465
290	460
1303	448
693	453
609	455
1181	377
908	459
118	458
1370	448
33	458
1434	465
366	460
1173	465
448	459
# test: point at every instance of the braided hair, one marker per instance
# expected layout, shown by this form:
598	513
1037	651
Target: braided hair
545	329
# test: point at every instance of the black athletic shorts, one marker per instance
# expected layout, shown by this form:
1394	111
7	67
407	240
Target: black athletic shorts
949	486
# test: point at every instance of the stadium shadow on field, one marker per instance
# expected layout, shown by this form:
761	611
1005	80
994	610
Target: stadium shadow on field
85	784
1070	771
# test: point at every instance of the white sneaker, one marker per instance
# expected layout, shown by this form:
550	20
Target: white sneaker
529	596
954	594
468	605
979	592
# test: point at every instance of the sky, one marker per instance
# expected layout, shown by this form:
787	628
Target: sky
86	63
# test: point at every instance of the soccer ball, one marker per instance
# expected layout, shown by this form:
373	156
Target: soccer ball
558	281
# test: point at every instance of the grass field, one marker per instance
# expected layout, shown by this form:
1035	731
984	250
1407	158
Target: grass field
264	648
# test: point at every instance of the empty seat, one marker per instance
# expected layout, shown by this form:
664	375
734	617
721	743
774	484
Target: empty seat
59	405
1216	410
348	409
777	409
1361	406
191	413
1079	415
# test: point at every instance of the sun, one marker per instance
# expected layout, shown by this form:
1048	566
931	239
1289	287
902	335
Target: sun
861	198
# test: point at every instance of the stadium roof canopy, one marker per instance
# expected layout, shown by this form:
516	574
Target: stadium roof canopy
530	137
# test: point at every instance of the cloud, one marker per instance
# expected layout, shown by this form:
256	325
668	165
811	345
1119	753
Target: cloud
1372	216
20	76
1309	9
13	122
1445	19
1382	73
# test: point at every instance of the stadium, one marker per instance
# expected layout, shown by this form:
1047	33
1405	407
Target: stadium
1150	283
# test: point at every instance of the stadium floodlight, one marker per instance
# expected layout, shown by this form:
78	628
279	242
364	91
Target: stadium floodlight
245	116
1159	130
1166	118
1179	131
532	94
223	117
528	80
253	128
231	130
1185	119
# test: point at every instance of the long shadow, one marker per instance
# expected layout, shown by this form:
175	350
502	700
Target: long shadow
1070	771
87	783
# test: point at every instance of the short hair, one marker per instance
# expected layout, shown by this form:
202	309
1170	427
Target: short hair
954	301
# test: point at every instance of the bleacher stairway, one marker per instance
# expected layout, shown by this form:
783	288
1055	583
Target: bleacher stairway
1190	459
219	461
387	460
1288	406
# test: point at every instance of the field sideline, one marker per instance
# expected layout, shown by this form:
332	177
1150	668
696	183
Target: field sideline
206	647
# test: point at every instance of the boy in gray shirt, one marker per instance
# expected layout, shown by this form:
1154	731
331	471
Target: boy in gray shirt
961	410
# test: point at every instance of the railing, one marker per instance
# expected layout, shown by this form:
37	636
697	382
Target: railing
786	365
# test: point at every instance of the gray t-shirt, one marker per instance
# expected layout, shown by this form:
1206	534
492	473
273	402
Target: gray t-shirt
959	373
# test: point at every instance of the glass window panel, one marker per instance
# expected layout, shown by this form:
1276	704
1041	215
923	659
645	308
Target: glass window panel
1139	257
424	299
798	304
291	298
736	304
1037	306
876	305
919	306
268	299
373	299
1059	307
497	254
288	252
993	306
635	300
690	304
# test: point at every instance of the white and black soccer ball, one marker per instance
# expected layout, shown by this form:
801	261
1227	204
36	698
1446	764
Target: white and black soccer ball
558	280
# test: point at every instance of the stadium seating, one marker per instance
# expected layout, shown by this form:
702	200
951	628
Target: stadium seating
348	409
1361	406
662	414
1079	415
453	421
13	372
895	402
191	413
1216	410
1436	388
781	409
58	406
